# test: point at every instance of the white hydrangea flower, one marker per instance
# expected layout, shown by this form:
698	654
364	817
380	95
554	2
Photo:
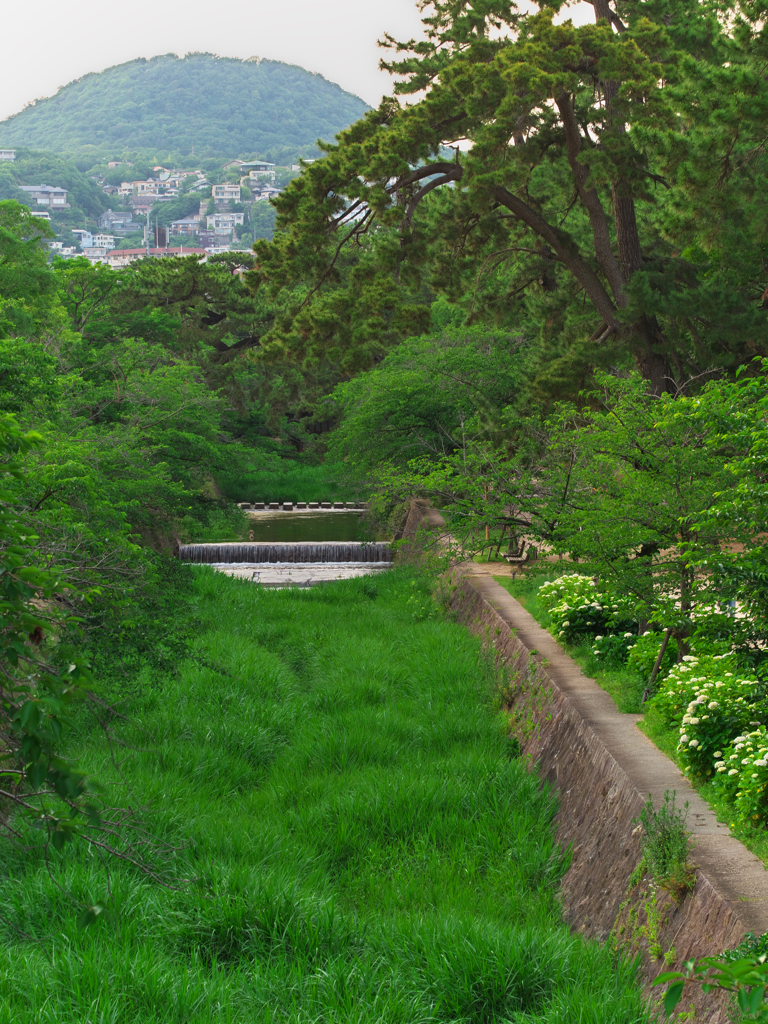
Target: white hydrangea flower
734	771
718	753
684	738
746	760
690	657
598	638
712	705
693	743
719	764
762	762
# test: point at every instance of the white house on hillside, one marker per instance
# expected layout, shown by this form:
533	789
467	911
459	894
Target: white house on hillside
47	195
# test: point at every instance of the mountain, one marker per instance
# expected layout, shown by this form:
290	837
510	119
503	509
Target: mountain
199	103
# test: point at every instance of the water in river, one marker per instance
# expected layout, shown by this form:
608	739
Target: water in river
299	548
293	527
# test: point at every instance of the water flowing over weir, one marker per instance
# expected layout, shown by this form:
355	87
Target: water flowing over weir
324	551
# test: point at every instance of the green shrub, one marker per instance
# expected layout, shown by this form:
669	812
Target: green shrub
742	776
612	650
579	609
666	841
644	651
708	705
291	481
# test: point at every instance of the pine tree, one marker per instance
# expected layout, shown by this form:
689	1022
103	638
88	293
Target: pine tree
611	182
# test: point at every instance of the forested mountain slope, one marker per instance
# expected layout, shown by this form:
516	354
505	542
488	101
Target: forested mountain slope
199	102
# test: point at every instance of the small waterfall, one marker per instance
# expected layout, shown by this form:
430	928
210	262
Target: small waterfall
324	551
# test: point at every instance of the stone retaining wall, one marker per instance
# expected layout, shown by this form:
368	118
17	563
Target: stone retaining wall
603	770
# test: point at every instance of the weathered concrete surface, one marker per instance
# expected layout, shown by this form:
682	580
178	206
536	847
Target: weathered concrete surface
603	769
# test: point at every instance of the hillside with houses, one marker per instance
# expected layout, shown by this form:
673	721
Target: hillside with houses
168	155
159	211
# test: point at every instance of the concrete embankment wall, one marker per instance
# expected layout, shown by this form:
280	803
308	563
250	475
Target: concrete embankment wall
603	770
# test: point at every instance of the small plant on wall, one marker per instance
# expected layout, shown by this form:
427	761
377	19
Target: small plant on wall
665	845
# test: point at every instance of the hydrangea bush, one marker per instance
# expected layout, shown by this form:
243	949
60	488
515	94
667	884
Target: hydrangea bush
720	714
741	775
719	710
684	681
612	650
578	609
644	652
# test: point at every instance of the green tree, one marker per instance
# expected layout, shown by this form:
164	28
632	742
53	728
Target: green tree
427	397
579	190
38	782
27	285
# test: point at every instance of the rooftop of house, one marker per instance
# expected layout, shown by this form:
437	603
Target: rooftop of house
186	250
41	188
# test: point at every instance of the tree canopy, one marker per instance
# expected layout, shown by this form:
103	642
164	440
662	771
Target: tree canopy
608	200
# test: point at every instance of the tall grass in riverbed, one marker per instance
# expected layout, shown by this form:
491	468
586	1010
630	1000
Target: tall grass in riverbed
293	481
364	847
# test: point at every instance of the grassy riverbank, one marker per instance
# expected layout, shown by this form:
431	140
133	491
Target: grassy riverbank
362	842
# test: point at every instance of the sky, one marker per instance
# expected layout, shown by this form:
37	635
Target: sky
336	38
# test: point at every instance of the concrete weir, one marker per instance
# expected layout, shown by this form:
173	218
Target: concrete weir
603	770
322	551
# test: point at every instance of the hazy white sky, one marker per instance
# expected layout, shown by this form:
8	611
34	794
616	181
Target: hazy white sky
335	37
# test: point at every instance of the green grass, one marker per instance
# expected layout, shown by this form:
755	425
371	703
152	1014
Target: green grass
363	845
624	686
294	481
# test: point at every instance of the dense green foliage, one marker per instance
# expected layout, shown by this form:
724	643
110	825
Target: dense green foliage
292	482
38	784
428	396
360	839
43	168
201	104
608	205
